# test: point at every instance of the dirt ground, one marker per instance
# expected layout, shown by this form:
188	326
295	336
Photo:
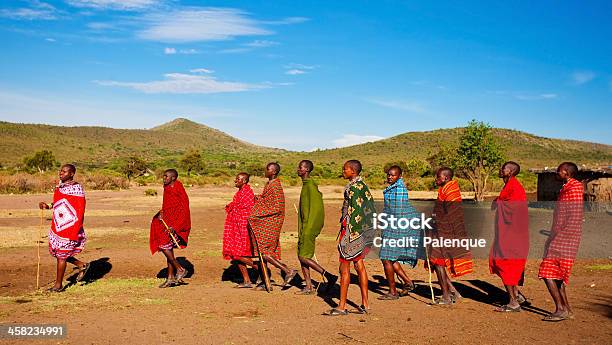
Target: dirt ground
120	303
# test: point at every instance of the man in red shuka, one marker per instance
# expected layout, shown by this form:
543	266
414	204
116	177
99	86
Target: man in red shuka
176	216
511	245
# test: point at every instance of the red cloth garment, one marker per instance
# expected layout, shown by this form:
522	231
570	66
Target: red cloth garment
66	236
562	245
236	239
448	214
267	217
511	245
175	212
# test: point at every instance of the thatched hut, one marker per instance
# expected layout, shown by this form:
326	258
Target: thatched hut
597	186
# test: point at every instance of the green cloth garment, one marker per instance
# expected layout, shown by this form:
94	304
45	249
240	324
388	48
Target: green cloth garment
311	216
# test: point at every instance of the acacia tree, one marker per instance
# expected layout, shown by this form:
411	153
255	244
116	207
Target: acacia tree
478	156
192	161
134	166
41	161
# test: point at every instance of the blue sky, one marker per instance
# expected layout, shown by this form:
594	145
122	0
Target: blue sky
310	74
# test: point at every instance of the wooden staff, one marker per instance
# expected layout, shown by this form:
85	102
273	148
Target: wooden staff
429	270
170	232
264	269
38	249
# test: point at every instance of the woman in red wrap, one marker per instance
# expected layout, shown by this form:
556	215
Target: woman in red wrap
174	218
66	236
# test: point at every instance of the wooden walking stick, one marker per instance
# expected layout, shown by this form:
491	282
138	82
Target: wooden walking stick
170	232
38	249
262	266
429	270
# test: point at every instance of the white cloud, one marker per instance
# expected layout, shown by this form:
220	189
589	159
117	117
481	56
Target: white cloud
100	26
173	51
288	20
180	83
295	72
297	69
582	77
202	70
300	66
354	139
200	24
535	97
399	105
525	96
38	10
49	39
114	4
235	50
261	44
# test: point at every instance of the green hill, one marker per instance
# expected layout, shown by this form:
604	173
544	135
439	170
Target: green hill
101	146
529	150
163	145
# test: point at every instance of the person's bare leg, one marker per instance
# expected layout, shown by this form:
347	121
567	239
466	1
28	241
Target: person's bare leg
399	270
553	289
312	264
390	275
306	273
245	273
277	263
512	296
59	274
442	280
173	264
73	260
245	261
363	282
345	280
451	287
563	295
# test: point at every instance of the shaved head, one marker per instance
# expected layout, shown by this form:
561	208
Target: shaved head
173	172
70	167
569	167
245	176
274	166
355	165
446	171
396	168
514	167
308	164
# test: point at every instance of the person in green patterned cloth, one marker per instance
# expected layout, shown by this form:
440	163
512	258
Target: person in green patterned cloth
311	216
356	228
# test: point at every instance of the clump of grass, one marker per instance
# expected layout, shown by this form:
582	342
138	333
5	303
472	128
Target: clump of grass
150	192
113	293
603	267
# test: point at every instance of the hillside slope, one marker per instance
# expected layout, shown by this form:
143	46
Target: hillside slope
97	146
529	150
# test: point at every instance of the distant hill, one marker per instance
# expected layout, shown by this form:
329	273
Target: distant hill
529	150
101	146
97	146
